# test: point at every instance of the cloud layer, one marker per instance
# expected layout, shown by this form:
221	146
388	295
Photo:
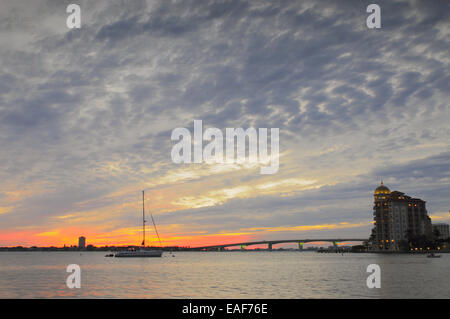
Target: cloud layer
86	116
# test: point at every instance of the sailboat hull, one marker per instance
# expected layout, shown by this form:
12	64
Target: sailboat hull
139	253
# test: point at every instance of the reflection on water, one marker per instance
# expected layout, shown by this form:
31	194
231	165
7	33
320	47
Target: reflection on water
223	275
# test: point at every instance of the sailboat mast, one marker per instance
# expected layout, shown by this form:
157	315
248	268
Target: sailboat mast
143	220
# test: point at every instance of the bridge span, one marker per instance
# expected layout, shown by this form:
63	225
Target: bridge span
270	243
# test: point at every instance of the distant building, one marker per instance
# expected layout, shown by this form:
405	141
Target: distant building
442	230
82	242
397	217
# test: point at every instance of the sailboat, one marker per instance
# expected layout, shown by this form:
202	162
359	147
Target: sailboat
142	252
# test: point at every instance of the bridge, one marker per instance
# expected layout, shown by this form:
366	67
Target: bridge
270	243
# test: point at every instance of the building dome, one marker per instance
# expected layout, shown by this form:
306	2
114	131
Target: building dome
382	189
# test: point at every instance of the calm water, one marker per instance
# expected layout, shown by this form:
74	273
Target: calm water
223	275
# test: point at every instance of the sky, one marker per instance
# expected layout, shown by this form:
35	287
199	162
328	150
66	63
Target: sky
86	117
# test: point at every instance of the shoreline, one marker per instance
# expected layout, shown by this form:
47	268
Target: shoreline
238	250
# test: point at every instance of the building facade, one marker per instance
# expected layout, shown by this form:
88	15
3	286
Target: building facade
397	217
442	229
81	242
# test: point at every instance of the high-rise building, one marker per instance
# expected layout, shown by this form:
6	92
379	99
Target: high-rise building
442	229
397	218
82	242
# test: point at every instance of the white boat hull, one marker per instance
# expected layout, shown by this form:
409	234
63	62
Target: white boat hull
139	253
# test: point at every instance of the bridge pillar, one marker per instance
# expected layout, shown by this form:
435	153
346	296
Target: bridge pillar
300	246
269	246
218	248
